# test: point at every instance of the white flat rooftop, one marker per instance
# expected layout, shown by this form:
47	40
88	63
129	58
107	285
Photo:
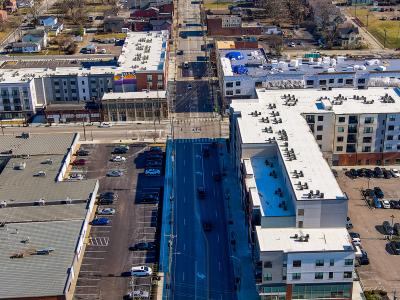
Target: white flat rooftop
134	95
320	239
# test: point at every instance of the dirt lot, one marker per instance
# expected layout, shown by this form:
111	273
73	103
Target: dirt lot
383	270
107	259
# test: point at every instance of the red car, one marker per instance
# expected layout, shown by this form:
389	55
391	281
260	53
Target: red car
79	162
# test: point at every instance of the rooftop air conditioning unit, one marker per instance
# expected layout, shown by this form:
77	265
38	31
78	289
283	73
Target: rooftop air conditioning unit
3	204
40	202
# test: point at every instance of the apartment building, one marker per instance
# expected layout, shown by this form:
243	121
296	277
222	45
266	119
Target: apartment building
281	143
241	71
142	65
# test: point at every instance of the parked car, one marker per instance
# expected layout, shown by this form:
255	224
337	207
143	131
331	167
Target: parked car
114	173
123	146
150	197
388	229
349	224
119	150
108	195
106	211
152	172
118	159
143	246
79	162
154	155
378	172
385	203
154	163
100	221
156	149
369	173
354	235
378	192
368	193
363	259
394	247
377	203
141	271
82	152
105	125
395	173
360	172
386	174
106	201
394	204
396	228
76	176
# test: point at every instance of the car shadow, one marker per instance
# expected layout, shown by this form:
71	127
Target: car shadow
380	229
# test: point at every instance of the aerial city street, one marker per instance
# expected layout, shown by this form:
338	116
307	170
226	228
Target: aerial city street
199	149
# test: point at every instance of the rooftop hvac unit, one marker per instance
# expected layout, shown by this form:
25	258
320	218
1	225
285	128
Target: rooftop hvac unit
3	204
20	166
40	202
68	200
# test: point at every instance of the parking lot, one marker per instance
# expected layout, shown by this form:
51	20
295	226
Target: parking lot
105	270
382	271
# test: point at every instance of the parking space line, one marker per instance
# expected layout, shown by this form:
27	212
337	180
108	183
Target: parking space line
89	271
95	251
86	286
94	257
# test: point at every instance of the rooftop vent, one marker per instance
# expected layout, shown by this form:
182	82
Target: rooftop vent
20	166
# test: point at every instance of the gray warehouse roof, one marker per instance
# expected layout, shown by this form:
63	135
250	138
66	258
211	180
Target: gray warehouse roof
36	275
37	144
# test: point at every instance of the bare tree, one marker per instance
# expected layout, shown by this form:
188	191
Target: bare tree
297	10
35	10
274	8
275	43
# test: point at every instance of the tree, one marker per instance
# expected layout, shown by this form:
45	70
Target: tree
275	43
35	10
274	8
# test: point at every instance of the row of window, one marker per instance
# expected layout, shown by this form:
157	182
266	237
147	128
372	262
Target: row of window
318	262
332	80
230	84
230	93
317	275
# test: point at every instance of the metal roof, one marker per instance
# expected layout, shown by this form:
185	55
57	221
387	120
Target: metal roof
36	275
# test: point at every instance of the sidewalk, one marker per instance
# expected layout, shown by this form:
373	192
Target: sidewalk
241	252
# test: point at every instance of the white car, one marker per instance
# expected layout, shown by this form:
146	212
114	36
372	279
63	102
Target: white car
114	173
76	176
385	204
152	172
141	271
106	211
105	125
395	173
103	51
118	159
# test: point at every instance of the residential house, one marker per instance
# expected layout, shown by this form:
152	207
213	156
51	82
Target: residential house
158	25
10	5
3	15
151	12
348	36
50	23
272	30
37	36
114	24
26	47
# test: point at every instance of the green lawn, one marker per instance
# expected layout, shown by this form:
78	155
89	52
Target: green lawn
377	27
115	35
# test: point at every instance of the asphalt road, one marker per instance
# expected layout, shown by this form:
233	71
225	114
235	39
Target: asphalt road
107	256
201	267
194	99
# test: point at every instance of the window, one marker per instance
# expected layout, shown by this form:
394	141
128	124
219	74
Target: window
351	148
349	81
322	82
320	118
149	78
339	148
366	149
159	77
342	119
84	90
348	262
330	275
310	119
361	80
83	82
339	139
320	128
229	84
319	263
340	80
72	82
296	276
267	264
390	127
353	119
319	137
319	275
296	263
331	80
331	262
369	120
318	291
340	129
300	212
368	129
347	274
267	276
310	82
238	91
388	147
229	93
300	224
367	139
390	138
237	83
64	83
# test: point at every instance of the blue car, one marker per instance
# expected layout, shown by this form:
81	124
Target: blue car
377	203
101	221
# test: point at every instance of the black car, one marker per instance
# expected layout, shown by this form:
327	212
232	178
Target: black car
364	260
354	235
154	163
368	193
396	228
394	204
378	192
154	155
82	152
378	173
143	246
119	150
150	197
387	228
369	173
360	172
386	174
395	247
352	173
